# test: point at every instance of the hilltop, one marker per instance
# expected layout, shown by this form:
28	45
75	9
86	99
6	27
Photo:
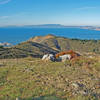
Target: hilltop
63	44
40	45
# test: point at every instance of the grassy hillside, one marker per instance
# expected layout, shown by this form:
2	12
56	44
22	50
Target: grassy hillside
33	79
40	45
26	49
62	44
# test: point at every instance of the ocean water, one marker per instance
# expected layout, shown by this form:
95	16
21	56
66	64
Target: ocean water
17	35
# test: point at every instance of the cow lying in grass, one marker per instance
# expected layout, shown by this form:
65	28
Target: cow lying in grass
48	57
62	56
70	52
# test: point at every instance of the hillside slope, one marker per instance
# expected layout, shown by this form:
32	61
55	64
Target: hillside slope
40	45
26	49
32	79
63	44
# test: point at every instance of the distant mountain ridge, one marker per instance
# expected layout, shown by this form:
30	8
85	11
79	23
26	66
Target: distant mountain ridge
53	26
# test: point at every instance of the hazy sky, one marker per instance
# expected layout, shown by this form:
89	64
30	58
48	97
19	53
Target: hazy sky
66	12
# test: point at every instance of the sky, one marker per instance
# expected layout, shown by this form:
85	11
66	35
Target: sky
65	12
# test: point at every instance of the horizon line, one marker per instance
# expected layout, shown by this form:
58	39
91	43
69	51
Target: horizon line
50	24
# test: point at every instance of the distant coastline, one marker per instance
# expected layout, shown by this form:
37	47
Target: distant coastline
52	26
92	28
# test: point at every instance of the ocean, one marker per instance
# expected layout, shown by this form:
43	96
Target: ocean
17	35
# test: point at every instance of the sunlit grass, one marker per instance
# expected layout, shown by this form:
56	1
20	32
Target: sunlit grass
30	77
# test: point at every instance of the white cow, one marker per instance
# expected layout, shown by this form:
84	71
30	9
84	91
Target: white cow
63	58
48	57
45	57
